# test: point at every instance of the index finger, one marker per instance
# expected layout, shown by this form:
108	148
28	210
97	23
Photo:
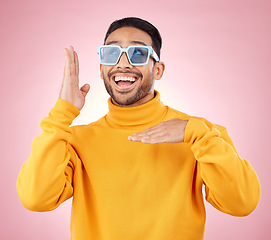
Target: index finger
67	62
72	60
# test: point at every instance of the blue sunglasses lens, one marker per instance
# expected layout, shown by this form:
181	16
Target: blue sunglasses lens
109	55
138	55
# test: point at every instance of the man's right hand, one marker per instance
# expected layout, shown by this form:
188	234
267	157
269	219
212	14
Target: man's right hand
70	91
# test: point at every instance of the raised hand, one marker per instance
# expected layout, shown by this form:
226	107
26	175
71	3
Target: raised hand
171	131
70	90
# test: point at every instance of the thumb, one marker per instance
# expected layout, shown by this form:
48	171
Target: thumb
85	89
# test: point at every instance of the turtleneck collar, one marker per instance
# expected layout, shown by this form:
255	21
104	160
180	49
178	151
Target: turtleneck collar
141	116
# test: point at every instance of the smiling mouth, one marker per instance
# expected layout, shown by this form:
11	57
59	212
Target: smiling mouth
124	79
124	82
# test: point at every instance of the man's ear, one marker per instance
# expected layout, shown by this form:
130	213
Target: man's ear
101	71
159	68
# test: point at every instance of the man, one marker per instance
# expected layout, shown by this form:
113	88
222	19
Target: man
138	172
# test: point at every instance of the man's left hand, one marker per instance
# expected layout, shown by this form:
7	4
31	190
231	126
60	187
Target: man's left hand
171	131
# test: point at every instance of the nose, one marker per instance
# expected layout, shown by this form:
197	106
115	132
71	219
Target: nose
123	61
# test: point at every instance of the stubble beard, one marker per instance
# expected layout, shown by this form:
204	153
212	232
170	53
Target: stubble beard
142	92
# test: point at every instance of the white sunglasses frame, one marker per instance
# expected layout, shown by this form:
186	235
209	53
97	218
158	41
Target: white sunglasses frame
151	53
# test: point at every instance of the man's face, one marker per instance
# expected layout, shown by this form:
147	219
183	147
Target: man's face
130	85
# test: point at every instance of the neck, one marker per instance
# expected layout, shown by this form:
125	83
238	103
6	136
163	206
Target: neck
141	115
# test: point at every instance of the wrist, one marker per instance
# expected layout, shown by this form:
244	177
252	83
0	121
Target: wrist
64	111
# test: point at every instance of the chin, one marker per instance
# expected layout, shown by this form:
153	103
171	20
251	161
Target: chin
125	101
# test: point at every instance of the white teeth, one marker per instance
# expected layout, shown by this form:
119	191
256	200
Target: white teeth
130	79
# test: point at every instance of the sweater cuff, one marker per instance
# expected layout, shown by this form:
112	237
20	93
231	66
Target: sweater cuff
64	112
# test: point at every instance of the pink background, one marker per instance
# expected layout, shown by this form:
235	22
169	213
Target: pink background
217	56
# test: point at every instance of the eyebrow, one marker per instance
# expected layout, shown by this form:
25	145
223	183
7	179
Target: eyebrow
139	43
132	42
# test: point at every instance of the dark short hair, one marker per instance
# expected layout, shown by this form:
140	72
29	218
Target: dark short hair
140	24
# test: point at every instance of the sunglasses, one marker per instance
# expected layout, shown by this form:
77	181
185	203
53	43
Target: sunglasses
137	55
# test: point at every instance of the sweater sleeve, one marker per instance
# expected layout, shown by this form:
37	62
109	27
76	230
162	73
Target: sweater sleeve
45	179
231	184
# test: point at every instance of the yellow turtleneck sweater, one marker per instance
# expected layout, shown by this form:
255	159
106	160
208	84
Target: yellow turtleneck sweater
130	190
